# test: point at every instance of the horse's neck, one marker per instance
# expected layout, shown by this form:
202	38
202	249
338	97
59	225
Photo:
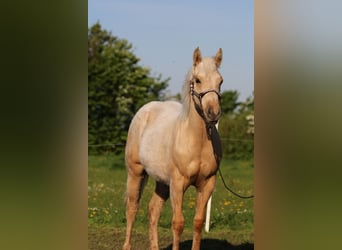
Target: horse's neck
195	123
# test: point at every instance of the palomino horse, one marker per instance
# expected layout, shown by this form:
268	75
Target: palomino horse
174	143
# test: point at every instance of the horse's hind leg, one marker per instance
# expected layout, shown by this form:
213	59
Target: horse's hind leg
160	195
136	180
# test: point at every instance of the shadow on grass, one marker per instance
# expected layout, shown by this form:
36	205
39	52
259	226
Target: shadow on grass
209	244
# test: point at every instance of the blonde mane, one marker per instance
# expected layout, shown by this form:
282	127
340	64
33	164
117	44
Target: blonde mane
186	94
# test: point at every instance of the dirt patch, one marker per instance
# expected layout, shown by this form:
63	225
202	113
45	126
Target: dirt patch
105	238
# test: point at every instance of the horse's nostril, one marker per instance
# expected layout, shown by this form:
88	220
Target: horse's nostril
212	115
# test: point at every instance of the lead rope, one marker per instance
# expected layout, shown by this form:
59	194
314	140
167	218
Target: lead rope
229	189
209	127
217	159
223	181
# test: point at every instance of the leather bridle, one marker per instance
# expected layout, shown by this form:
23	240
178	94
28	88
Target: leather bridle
199	107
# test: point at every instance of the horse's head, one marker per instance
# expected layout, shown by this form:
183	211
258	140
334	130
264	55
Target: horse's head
205	85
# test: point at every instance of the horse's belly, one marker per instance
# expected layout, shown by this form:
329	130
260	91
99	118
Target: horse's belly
157	170
154	148
155	160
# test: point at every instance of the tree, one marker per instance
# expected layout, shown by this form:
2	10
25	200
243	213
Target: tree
237	130
229	101
117	87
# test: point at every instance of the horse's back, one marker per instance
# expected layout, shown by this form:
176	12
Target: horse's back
155	114
150	135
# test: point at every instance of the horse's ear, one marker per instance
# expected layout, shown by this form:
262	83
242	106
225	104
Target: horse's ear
197	56
218	58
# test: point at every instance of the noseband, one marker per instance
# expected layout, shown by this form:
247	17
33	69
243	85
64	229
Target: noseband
199	107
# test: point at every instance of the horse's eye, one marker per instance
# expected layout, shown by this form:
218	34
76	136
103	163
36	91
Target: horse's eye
197	80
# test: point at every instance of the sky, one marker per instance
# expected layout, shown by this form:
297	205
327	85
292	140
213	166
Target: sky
164	35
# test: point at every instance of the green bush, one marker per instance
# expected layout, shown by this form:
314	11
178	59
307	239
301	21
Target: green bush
237	143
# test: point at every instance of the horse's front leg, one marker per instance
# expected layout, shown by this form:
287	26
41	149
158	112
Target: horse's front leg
203	193
176	198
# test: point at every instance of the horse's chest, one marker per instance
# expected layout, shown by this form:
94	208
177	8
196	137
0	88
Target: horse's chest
202	165
207	167
193	156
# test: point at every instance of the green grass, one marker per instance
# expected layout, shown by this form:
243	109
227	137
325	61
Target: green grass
231	217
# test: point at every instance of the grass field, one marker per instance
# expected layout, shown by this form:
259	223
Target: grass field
231	224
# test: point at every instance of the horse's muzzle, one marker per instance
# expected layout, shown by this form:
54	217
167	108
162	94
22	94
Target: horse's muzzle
212	116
